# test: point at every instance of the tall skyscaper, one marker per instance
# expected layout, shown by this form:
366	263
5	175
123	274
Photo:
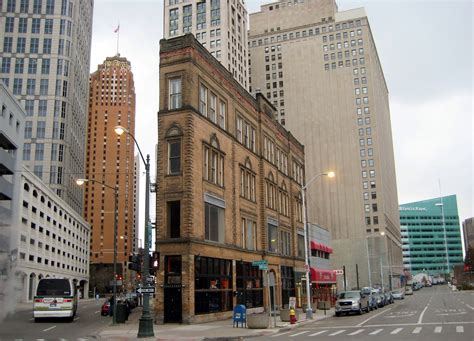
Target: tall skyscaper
45	54
220	26
320	69
111	160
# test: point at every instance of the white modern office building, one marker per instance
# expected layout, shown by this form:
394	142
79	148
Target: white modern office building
220	26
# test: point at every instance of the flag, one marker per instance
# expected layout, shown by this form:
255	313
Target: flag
117	29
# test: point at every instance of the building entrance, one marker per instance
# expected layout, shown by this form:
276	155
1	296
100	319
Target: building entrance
173	290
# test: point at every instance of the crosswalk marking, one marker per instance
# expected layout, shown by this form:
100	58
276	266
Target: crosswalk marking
338	332
375	332
438	329
396	331
280	334
417	330
298	333
459	329
357	332
318	333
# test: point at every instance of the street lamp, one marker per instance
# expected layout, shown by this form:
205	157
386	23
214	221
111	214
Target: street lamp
81	182
309	309
145	327
441	205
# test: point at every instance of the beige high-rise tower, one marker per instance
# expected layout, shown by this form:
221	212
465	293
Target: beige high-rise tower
220	26
320	68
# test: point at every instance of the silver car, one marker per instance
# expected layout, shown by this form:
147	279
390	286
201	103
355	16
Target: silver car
398	294
352	301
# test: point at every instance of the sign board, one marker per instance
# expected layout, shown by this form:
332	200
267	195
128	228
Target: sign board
262	264
149	290
306	267
292	302
339	272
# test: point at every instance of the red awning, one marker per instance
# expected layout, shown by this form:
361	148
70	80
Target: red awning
314	246
320	247
322	275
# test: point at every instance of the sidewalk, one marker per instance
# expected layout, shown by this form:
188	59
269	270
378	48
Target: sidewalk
217	330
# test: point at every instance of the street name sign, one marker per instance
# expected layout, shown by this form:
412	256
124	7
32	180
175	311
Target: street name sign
262	264
149	290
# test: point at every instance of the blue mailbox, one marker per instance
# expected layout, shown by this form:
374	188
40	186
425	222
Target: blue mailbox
240	315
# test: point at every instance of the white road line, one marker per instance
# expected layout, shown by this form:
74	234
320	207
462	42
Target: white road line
31	319
370	318
45	330
470	306
438	329
357	332
375	332
280	334
423	313
77	318
96	312
459	329
338	332
396	331
318	333
293	335
417	330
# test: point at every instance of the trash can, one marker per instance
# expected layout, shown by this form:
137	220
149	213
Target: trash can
121	313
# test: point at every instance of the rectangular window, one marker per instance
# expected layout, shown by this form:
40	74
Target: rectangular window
34	45
9	24
175	93
222	114
26	151
213	107
272	238
174	219
47	42
21	45
39	152
203	100
285	242
214	223
249	230
174	157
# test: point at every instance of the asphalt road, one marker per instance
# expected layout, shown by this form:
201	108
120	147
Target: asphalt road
86	324
435	313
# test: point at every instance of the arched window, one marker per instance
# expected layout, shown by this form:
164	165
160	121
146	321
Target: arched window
247	181
271	192
26	187
173	138
35	193
283	207
213	162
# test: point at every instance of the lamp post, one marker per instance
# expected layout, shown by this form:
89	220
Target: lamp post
441	205
81	182
309	309
145	327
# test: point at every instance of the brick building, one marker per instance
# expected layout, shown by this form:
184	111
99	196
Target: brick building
229	179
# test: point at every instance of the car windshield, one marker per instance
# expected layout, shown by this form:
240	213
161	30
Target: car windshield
54	287
349	294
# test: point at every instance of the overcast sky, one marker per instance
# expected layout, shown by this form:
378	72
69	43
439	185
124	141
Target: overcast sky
426	51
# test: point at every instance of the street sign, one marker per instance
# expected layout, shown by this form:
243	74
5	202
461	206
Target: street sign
306	267
339	272
149	290
262	264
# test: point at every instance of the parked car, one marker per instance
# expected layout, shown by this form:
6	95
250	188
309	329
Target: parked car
352	301
398	294
380	299
388	297
105	310
408	290
371	297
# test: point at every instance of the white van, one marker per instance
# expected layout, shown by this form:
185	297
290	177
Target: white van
55	297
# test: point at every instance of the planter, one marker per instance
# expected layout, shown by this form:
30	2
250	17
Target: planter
257	321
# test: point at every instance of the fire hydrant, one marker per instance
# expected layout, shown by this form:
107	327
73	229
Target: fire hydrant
292	315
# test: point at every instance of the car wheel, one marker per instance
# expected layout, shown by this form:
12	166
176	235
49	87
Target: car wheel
338	314
37	319
360	312
367	309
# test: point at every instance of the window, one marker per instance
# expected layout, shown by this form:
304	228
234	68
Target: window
285	242
48	26
301	247
246	133
247	182
222	114
271	192
174	156
213	285
249	283
40	129
175	93
6	64
272	237
213	163
47	42
32	66
203	100
34	45
187	18
174	219
39	152
249	236
212	107
283	207
214	223
173	21
9	23
19	65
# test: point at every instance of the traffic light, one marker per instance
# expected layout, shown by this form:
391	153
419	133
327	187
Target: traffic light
134	263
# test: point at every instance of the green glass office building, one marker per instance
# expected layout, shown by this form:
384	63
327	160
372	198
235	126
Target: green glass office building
431	235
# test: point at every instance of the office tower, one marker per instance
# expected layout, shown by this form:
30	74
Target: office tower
431	235
45	54
220	26
229	183
110	160
320	69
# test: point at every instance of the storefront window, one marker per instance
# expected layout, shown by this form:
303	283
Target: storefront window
213	285
287	284
249	283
